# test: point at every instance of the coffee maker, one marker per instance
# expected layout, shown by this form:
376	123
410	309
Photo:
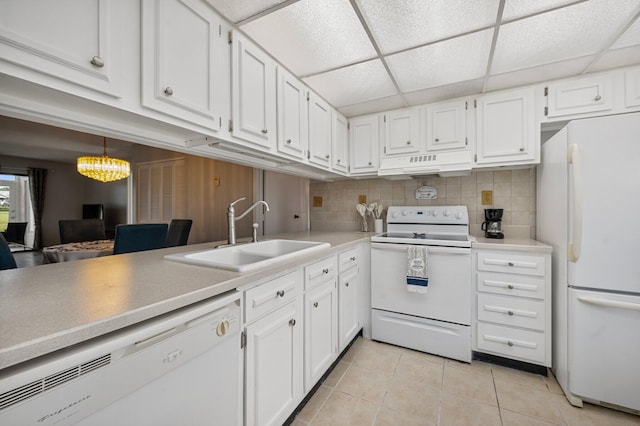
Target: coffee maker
492	226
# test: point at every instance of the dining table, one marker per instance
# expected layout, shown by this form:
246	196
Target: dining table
77	251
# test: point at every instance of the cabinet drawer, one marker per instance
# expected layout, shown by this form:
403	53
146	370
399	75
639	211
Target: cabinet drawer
524	264
511	284
319	272
270	295
347	260
512	311
511	342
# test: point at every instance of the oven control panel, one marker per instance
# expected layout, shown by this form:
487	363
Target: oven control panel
428	214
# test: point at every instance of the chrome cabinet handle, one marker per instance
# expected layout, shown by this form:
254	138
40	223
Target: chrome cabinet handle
510	287
437	139
338	160
326	156
292	322
264	131
325	271
280	293
510	313
370	163
346	284
510	343
510	263
288	141
521	149
408	142
315	304
97	61
597	98
168	91
353	258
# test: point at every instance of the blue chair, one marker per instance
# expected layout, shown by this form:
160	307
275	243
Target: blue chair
7	261
139	237
76	231
178	232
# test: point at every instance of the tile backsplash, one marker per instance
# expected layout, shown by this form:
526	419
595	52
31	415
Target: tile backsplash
513	190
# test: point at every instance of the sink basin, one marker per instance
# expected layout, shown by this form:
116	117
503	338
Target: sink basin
248	257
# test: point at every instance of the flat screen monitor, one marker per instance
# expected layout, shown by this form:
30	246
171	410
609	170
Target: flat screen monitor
92	211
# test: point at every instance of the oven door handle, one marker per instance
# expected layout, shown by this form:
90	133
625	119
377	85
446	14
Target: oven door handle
432	249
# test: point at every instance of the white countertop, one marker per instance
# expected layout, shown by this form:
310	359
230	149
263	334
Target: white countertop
50	307
511	244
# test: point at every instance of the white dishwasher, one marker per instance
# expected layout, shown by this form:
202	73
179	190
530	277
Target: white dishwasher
184	367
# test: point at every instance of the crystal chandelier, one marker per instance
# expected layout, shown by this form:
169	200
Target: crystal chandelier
105	168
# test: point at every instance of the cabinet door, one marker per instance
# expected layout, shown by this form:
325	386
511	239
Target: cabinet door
69	40
339	138
319	131
181	46
348	301
364	139
446	126
321	331
253	87
580	96
274	366
401	132
293	118
632	88
505	128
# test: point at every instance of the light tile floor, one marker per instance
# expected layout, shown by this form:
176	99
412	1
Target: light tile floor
380	384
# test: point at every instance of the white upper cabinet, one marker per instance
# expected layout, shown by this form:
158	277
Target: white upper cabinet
506	128
319	131
401	134
582	95
71	41
253	87
340	143
293	115
632	88
364	137
446	126
182	44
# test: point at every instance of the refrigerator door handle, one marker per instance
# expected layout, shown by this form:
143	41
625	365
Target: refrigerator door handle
609	303
574	246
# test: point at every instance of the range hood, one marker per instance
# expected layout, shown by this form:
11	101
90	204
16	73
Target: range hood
457	163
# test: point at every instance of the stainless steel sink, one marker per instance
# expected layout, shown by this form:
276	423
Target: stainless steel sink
248	257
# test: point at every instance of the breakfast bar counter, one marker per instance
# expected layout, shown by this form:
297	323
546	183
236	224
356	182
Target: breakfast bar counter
50	307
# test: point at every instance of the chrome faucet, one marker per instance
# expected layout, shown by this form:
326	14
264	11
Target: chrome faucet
231	213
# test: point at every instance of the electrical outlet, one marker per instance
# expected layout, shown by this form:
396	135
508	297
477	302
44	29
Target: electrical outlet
362	199
317	201
216	181
487	198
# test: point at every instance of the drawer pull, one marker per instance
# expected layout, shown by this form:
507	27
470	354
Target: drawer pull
97	61
288	141
510	286
325	271
315	304
597	98
510	313
264	131
352	258
510	263
292	322
510	343
280	293
168	91
346	284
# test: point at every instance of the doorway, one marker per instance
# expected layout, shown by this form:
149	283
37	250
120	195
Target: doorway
15	204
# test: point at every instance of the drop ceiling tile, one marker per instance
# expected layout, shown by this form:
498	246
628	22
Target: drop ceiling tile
402	24
538	74
617	58
630	37
313	36
239	10
353	84
450	91
514	9
570	32
373	106
458	59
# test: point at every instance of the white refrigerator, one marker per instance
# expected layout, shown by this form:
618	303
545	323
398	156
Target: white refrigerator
588	209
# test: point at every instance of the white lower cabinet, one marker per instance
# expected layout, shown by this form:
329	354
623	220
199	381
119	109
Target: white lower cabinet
274	351
348	297
513	305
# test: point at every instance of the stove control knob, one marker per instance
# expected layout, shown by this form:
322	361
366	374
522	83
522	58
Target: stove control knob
459	215
435	212
394	215
446	213
405	212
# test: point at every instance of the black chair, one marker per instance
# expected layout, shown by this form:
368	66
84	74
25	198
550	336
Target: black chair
15	232
7	261
139	237
178	232
75	231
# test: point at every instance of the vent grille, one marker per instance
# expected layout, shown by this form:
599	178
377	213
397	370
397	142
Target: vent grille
32	389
